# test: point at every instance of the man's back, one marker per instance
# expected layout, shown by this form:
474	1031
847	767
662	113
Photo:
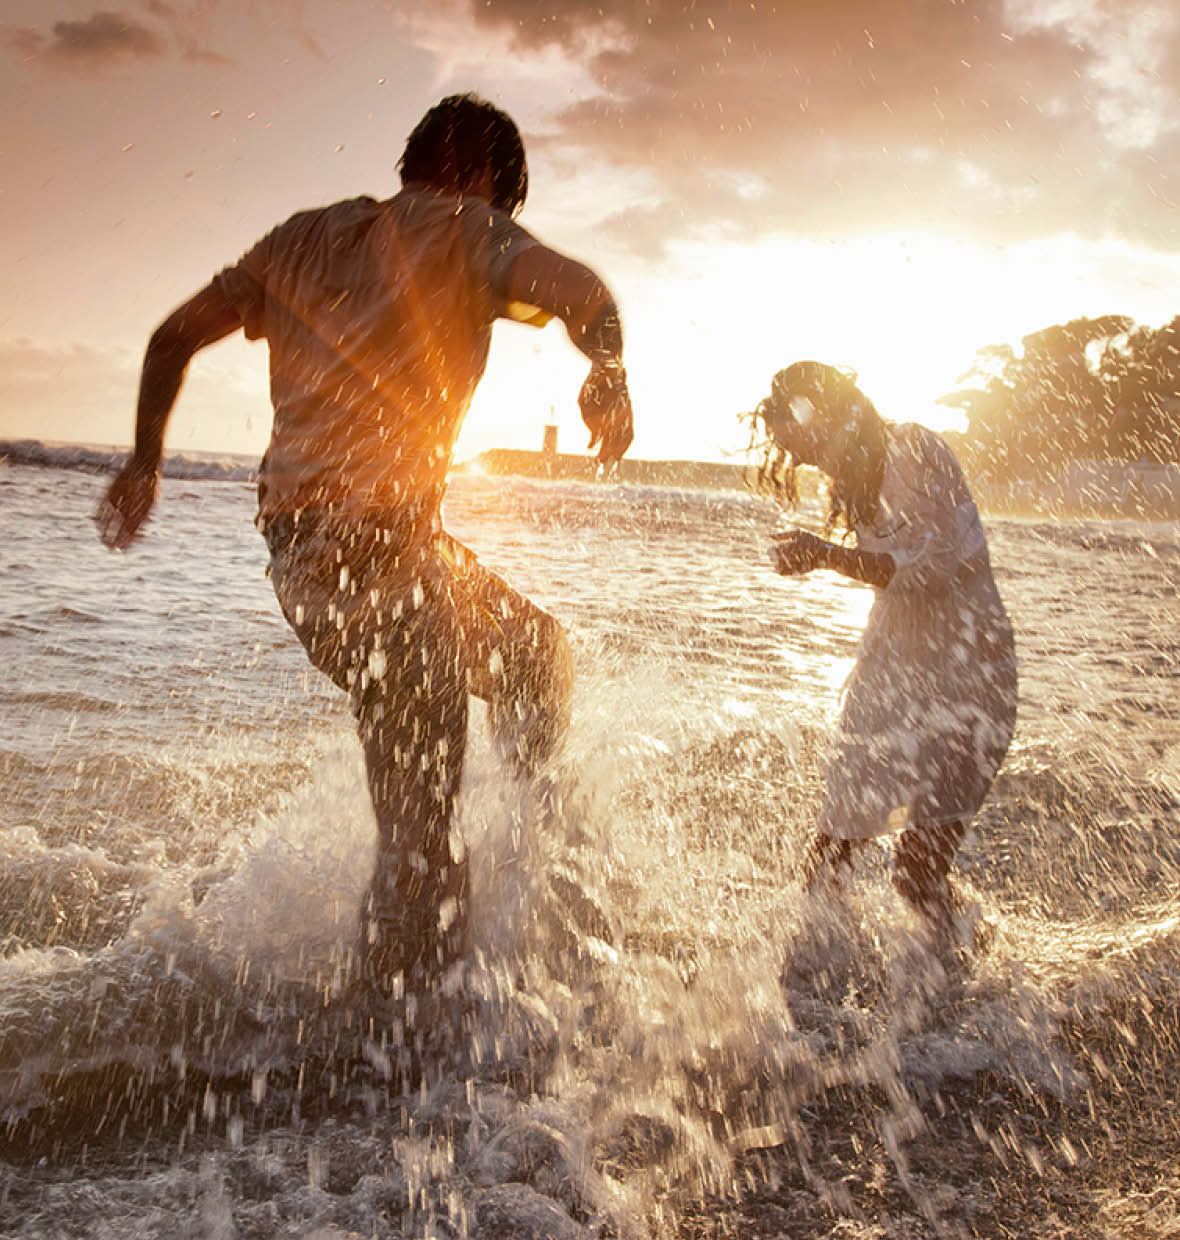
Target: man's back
378	316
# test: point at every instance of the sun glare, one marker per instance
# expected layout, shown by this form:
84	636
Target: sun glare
706	334
907	313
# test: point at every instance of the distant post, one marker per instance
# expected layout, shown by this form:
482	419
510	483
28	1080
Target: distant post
549	449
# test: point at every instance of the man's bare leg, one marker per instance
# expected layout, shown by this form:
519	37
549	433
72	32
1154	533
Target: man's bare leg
530	702
414	921
519	662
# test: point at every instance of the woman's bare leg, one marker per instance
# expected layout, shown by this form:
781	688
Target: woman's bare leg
826	856
922	861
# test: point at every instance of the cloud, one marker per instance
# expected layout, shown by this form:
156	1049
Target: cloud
23	40
83	394
28	366
69	393
864	114
107	38
191	50
95	41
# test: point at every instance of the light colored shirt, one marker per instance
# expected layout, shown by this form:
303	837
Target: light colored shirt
378	316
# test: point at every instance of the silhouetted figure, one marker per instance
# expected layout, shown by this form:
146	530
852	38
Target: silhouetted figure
378	318
930	706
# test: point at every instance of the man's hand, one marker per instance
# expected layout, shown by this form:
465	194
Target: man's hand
606	409
797	552
206	317
126	506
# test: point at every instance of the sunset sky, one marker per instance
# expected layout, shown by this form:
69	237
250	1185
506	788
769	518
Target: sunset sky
886	184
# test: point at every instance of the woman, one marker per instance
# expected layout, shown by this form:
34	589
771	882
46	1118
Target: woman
930	705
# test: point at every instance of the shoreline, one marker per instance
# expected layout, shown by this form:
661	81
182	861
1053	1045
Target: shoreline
1018	498
571	467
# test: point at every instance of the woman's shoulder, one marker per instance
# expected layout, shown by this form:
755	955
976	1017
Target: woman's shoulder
922	469
913	434
922	445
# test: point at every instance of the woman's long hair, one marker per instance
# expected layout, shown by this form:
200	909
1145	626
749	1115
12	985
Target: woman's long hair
855	490
774	469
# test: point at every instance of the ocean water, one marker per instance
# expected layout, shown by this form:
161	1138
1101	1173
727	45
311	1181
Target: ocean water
663	1036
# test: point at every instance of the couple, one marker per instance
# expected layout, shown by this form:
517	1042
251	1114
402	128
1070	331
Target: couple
378	319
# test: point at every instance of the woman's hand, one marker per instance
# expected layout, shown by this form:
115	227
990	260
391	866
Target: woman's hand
797	552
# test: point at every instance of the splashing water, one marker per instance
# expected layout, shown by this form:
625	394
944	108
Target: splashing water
657	1033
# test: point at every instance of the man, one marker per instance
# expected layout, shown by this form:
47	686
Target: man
378	319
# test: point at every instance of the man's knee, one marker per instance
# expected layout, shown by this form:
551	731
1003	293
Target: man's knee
414	744
531	706
558	663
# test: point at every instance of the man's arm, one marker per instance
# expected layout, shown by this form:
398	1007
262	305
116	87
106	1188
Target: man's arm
203	319
570	291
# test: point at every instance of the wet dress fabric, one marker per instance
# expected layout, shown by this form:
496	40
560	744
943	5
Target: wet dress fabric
928	711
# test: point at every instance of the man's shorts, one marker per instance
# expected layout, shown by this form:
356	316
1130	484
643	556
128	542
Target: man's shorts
367	595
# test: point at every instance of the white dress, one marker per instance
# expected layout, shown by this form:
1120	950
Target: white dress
930	705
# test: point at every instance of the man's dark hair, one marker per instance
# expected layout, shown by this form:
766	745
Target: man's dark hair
457	139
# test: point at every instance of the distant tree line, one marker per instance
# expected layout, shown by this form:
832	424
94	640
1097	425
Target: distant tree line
1100	388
